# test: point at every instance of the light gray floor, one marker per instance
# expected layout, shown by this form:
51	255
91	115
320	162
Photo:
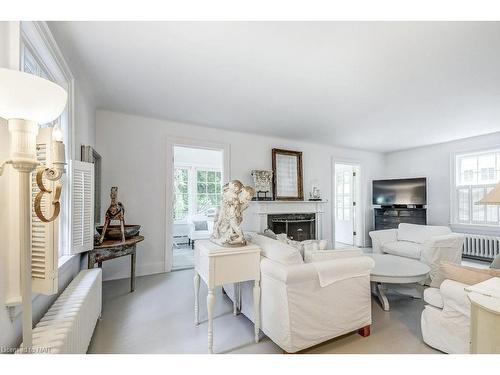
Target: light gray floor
158	318
182	256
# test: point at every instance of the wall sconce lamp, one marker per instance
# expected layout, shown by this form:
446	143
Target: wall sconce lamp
27	100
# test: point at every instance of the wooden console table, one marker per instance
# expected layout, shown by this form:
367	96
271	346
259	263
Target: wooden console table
111	249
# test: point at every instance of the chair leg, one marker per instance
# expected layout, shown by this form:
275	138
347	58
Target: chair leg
364	331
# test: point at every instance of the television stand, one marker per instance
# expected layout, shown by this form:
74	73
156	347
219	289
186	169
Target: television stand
389	217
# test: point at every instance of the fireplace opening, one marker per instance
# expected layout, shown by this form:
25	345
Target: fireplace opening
298	227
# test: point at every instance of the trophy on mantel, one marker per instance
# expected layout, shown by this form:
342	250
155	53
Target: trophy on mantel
262	181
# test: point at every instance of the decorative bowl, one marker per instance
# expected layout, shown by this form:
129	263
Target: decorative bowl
114	231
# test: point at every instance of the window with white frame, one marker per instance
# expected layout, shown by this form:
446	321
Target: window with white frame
181	193
475	175
197	191
208	190
38	58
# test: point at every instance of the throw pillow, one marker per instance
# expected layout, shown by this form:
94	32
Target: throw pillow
200	225
269	233
462	274
276	250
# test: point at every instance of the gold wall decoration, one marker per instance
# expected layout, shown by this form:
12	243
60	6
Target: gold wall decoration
51	175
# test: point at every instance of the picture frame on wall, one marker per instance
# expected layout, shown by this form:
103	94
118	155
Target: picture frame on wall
287	175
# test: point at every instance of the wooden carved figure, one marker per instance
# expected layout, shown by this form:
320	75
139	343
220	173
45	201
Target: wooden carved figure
116	211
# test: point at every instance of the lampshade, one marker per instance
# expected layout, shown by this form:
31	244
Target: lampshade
29	97
493	197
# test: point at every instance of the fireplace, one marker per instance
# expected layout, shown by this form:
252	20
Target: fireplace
297	226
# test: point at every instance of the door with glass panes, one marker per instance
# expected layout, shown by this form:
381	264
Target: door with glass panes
345	203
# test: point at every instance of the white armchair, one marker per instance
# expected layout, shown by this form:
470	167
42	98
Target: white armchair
429	244
200	228
445	320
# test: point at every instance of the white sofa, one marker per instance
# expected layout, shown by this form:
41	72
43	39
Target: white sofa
429	244
445	320
296	311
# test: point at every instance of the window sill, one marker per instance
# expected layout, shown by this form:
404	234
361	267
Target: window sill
63	260
488	230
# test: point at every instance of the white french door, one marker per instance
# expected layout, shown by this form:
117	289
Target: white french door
346	201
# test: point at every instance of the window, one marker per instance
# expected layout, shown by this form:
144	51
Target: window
181	193
475	175
40	56
197	191
208	190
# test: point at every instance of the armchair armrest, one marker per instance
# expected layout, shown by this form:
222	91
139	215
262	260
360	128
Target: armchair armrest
455	297
285	273
380	237
447	248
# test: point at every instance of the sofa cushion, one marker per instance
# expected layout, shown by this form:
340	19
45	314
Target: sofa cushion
200	225
322	255
420	233
403	249
275	250
433	297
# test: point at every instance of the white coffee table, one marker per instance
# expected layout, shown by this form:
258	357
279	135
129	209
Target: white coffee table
393	269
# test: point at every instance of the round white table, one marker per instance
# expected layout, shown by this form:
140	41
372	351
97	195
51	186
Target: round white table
393	269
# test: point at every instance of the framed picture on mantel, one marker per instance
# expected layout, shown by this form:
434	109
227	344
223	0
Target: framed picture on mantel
287	175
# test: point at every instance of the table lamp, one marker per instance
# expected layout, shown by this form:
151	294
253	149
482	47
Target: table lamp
493	197
27	100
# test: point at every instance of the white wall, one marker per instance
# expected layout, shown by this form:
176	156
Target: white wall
198	157
134	159
433	162
10	330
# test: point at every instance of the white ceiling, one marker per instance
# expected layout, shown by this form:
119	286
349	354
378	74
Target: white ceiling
380	86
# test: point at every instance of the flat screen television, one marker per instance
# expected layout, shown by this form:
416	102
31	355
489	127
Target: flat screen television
407	191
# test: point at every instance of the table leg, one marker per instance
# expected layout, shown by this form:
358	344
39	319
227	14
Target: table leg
196	293
99	264
132	271
90	262
236	287
256	313
210	309
379	290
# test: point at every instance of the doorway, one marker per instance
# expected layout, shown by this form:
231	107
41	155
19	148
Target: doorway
347	205
197	178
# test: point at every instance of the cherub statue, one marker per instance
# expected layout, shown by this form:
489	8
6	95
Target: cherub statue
227	225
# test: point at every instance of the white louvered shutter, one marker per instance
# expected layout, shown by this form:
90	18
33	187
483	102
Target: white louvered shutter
44	236
82	206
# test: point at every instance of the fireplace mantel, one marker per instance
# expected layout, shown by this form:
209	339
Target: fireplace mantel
261	209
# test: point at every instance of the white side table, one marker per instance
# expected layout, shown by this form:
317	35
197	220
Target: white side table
485	316
218	265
